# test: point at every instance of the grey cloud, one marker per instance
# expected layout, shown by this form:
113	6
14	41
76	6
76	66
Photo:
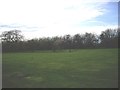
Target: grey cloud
16	26
11	26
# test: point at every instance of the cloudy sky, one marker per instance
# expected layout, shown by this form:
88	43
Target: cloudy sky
43	18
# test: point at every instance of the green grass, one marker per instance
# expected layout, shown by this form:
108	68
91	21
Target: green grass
85	68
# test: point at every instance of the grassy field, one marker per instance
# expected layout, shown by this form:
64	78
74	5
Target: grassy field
85	68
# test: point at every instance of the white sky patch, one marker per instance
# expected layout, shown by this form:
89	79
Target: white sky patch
50	17
67	30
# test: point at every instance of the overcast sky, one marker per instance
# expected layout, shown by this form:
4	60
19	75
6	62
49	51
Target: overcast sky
46	18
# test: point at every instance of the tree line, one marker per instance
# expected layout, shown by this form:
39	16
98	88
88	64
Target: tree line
13	41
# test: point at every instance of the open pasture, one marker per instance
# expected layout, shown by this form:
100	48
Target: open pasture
84	68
